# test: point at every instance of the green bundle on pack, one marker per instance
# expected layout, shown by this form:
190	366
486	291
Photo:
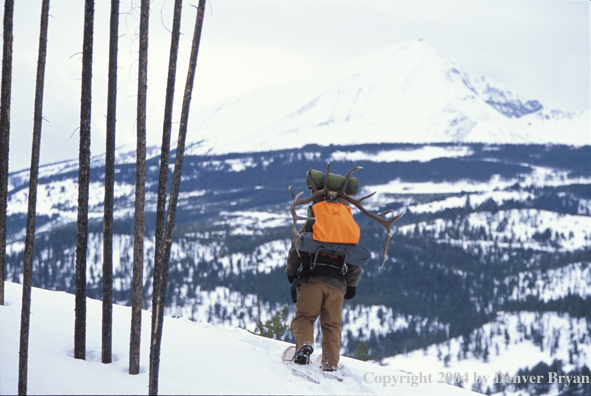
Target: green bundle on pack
335	182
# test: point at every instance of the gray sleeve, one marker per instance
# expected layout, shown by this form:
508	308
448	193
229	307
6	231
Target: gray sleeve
293	261
353	275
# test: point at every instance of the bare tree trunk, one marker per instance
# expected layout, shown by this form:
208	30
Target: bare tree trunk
164	156
83	183
33	177
176	181
140	195
5	134
107	329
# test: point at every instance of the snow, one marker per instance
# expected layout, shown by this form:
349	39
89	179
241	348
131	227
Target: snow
196	358
567	232
573	279
506	357
422	154
539	177
397	186
363	321
499	197
245	222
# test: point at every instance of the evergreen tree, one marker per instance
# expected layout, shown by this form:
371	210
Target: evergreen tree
33	178
362	352
274	327
447	360
485	352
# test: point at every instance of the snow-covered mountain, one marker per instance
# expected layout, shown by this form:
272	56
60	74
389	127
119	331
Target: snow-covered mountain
195	359
403	94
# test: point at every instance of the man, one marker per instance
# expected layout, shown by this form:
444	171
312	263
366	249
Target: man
325	280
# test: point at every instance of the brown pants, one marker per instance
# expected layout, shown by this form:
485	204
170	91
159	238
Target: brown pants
318	299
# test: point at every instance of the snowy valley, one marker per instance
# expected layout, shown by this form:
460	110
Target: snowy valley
498	241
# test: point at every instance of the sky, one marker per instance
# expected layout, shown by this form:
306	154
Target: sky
538	49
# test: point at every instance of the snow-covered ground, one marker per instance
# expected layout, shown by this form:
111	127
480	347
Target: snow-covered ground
422	154
539	177
196	358
573	279
565	232
510	346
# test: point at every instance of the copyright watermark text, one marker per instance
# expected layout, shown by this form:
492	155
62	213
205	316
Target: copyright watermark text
466	378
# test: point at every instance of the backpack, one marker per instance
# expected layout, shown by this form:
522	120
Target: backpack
334	240
334	187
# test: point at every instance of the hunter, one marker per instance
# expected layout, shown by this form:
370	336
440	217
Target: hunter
327	247
322	290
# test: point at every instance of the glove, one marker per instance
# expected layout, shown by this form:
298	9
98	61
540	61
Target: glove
350	292
290	279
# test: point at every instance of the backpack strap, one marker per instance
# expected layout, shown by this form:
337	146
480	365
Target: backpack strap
331	260
355	253
323	264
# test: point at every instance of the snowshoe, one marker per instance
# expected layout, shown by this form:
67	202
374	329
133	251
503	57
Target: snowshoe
304	371
311	372
330	372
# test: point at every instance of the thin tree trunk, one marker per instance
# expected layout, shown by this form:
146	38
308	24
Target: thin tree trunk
107	329
164	156
83	183
176	181
140	195
5	134
33	177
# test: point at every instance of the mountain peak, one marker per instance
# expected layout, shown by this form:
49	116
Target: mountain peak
406	93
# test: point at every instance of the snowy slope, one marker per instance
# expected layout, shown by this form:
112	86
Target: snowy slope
196	358
510	345
406	93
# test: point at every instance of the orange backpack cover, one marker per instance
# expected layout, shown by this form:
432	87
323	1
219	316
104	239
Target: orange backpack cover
334	223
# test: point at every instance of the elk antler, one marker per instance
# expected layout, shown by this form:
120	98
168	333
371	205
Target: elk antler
325	192
296	201
379	217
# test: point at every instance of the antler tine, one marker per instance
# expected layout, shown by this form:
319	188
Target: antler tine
368	196
357	202
295	217
386	223
389	224
385	213
343	189
311	182
326	178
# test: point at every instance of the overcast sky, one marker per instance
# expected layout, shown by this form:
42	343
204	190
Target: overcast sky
538	49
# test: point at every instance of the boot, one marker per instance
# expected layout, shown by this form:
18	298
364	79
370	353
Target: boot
303	355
